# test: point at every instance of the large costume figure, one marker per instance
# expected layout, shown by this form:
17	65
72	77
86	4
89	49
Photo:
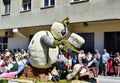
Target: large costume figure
45	45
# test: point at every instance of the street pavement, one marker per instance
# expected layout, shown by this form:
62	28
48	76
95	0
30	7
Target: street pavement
108	79
102	79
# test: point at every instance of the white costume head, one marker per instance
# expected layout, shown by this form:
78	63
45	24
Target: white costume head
60	29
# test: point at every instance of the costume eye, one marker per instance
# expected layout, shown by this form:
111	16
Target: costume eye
63	32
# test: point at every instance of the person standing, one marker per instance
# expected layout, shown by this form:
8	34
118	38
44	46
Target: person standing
70	63
7	52
117	64
105	58
97	61
80	56
89	56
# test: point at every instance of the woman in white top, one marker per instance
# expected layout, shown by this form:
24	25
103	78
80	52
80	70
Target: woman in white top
89	56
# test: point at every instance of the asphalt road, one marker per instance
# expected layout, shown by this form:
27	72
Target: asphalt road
108	80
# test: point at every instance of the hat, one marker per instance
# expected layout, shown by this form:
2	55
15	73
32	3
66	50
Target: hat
84	60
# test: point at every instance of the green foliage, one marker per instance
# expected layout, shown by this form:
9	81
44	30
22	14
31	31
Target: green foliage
3	81
60	81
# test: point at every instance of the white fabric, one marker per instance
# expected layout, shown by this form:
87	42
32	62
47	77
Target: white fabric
83	71
9	66
60	56
76	40
76	69
56	29
1	62
7	54
39	53
70	62
81	55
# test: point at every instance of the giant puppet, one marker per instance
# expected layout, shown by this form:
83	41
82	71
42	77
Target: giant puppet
45	45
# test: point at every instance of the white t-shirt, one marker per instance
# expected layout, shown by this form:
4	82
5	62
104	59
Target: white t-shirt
70	62
61	56
10	65
7	54
83	71
81	55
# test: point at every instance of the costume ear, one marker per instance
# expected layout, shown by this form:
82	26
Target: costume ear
65	22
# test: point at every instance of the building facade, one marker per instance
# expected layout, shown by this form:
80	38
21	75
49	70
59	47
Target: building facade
98	21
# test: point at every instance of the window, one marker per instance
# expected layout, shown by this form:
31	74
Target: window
112	41
6	6
89	41
77	1
3	43
26	5
49	3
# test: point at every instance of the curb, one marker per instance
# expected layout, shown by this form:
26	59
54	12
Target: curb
110	77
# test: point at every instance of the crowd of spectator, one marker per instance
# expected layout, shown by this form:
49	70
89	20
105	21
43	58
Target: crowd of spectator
105	63
12	63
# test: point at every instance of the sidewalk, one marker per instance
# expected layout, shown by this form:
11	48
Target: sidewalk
15	81
20	81
109	77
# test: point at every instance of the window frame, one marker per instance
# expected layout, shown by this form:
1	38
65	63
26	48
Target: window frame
6	7
3	43
28	5
78	1
49	3
89	41
114	44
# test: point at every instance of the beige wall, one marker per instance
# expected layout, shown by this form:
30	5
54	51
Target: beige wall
18	42
2	33
104	26
32	30
40	19
97	27
92	10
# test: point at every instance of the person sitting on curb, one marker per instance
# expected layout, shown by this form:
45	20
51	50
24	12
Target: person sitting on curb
85	72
